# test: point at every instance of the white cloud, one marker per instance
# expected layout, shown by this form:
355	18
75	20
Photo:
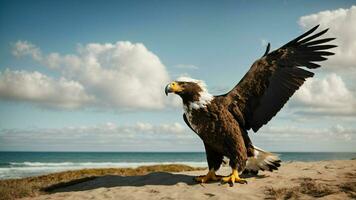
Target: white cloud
342	26
122	75
332	96
26	48
289	132
41	89
327	96
123	130
176	128
301	138
141	136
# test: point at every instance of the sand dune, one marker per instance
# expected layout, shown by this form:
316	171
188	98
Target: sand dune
295	180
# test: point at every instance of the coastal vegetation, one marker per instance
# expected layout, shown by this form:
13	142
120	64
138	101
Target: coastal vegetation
33	186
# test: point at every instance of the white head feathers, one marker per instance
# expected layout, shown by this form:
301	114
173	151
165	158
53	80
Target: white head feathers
205	96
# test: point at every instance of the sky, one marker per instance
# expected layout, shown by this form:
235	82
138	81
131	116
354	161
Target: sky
90	75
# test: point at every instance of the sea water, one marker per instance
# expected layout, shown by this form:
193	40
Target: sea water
24	164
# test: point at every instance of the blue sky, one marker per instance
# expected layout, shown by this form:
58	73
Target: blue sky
46	49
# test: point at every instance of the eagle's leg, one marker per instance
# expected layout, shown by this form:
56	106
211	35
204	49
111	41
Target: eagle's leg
233	178
210	176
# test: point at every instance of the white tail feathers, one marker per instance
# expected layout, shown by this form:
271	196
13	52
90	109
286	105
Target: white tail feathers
262	160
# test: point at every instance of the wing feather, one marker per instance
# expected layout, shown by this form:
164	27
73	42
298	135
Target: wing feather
275	77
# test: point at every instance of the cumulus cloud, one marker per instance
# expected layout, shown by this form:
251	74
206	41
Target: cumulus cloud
122	75
342	26
334	94
41	89
327	96
109	136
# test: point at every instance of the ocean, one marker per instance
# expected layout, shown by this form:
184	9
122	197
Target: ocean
25	164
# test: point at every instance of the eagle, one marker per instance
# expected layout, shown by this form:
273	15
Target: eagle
222	121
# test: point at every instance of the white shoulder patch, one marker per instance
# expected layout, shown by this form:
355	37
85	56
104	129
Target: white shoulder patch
205	99
205	96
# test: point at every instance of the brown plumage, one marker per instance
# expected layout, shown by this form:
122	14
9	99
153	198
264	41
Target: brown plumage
222	121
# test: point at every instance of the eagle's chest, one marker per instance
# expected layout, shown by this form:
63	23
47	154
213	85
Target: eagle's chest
200	120
190	118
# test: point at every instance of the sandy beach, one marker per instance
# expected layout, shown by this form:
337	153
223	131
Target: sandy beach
294	180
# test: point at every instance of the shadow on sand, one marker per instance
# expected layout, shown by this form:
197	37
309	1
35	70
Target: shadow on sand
155	178
89	183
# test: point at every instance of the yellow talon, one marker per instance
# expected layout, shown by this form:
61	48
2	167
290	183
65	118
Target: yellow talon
210	176
233	178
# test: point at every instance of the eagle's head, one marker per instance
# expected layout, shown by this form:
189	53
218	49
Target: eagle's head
193	92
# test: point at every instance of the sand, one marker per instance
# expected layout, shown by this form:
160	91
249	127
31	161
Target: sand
294	180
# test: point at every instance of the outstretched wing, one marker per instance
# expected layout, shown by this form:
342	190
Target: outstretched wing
274	78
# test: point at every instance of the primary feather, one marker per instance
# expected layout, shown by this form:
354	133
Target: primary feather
274	78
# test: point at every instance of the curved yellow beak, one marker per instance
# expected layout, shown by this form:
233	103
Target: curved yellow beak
173	87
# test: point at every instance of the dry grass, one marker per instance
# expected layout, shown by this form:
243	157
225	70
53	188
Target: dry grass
32	186
349	189
314	189
307	186
282	193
